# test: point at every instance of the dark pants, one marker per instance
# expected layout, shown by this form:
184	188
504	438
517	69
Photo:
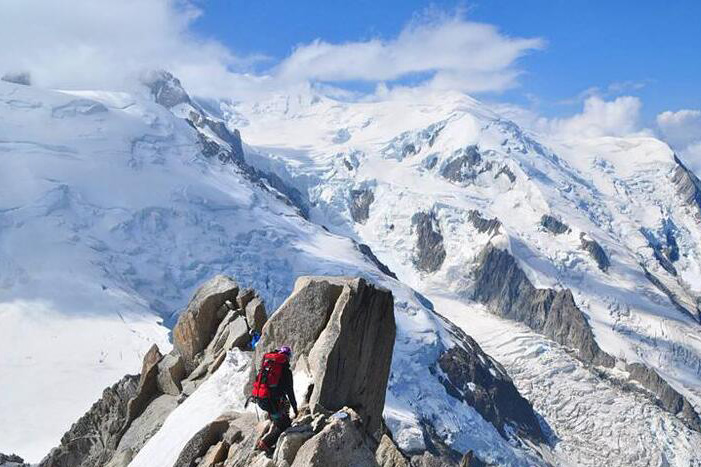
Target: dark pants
280	422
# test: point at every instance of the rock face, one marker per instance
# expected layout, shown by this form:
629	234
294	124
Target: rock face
94	437
198	323
596	251
464	167
351	359
22	78
343	330
553	224
668	398
688	186
11	460
481	382
367	252
430	251
166	89
490	226
504	287
360	204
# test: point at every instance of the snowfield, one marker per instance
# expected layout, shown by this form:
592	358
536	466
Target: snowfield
111	216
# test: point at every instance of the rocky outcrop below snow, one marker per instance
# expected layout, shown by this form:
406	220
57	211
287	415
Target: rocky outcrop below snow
505	289
667	397
430	250
11	460
360	201
477	379
688	186
596	251
23	78
166	88
553	224
489	226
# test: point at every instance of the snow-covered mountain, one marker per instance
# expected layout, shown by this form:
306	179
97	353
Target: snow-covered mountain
114	207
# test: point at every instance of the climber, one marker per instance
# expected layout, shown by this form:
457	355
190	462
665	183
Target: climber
272	390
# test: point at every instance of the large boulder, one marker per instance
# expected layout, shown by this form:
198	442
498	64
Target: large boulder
341	443
198	323
343	330
351	359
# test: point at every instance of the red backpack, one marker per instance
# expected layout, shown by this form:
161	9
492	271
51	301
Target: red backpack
269	375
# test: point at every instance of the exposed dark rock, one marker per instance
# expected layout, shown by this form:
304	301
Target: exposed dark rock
665	251
505	170
92	440
471	460
668	398
463	167
430	252
553	224
198	323
694	312
503	286
360	204
166	89
596	252
477	379
490	226
367	252
688	186
11	460
23	78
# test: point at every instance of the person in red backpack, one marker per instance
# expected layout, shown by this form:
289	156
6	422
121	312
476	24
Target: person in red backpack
272	390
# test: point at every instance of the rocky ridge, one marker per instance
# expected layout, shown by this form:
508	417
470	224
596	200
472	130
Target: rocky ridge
342	331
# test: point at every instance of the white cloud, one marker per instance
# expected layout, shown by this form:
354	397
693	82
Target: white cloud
682	130
88	43
619	117
455	54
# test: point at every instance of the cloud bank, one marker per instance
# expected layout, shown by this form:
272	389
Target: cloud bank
682	130
90	44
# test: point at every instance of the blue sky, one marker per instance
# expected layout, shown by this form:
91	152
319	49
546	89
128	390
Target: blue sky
650	49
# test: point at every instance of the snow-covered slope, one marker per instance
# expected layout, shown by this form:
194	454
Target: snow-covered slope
113	208
418	177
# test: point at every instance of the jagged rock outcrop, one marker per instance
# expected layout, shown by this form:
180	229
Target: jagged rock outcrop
23	78
481	382
596	252
688	186
503	286
367	252
11	460
505	289
489	226
430	251
667	397
553	224
166	88
94	437
464	166
360	204
198	323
